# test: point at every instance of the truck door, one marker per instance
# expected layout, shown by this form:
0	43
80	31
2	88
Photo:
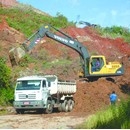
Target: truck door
46	85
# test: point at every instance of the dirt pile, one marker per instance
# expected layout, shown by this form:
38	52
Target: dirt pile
94	96
90	96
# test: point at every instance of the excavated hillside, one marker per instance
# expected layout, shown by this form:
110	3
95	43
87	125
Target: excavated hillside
90	96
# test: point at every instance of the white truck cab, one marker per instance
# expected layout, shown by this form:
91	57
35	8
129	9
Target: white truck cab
43	93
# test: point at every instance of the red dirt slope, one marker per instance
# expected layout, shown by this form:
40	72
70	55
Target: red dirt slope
95	95
90	96
94	42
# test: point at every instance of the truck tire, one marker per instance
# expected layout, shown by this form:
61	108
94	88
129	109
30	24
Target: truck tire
73	103
49	108
65	106
70	105
19	111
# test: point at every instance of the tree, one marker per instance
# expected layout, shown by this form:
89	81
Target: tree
59	21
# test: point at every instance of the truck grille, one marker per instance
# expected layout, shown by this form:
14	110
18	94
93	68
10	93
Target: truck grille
29	96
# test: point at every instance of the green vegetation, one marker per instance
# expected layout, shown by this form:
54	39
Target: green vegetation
26	60
3	112
6	91
115	32
26	20
5	74
115	117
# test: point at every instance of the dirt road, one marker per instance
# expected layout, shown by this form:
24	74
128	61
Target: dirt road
40	121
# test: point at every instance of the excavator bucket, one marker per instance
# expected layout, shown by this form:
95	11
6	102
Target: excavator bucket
15	54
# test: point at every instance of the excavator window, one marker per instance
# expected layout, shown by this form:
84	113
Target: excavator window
96	64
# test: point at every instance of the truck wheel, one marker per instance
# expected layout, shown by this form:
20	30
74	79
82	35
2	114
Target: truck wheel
65	106
70	105
73	103
19	111
49	108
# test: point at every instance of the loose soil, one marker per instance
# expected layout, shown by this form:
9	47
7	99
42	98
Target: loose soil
41	121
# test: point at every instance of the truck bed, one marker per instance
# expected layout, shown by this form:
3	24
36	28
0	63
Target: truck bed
66	87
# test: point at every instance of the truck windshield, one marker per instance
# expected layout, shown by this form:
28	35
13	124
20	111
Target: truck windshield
28	85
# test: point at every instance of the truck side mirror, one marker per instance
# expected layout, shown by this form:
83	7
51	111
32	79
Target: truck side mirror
44	84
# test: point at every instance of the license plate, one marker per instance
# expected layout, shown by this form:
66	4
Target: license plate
26	103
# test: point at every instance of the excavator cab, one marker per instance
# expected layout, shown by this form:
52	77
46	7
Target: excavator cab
98	66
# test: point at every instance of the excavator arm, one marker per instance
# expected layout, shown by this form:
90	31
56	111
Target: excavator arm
65	39
16	54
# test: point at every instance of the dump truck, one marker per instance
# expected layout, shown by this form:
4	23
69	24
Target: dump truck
43	94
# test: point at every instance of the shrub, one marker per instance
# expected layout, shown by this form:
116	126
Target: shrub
5	74
6	92
115	117
114	32
6	96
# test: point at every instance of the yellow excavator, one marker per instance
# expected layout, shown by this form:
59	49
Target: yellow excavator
88	62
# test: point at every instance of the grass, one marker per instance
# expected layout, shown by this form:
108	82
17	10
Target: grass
26	20
115	117
3	112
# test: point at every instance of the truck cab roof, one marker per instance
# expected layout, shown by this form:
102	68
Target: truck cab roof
36	77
